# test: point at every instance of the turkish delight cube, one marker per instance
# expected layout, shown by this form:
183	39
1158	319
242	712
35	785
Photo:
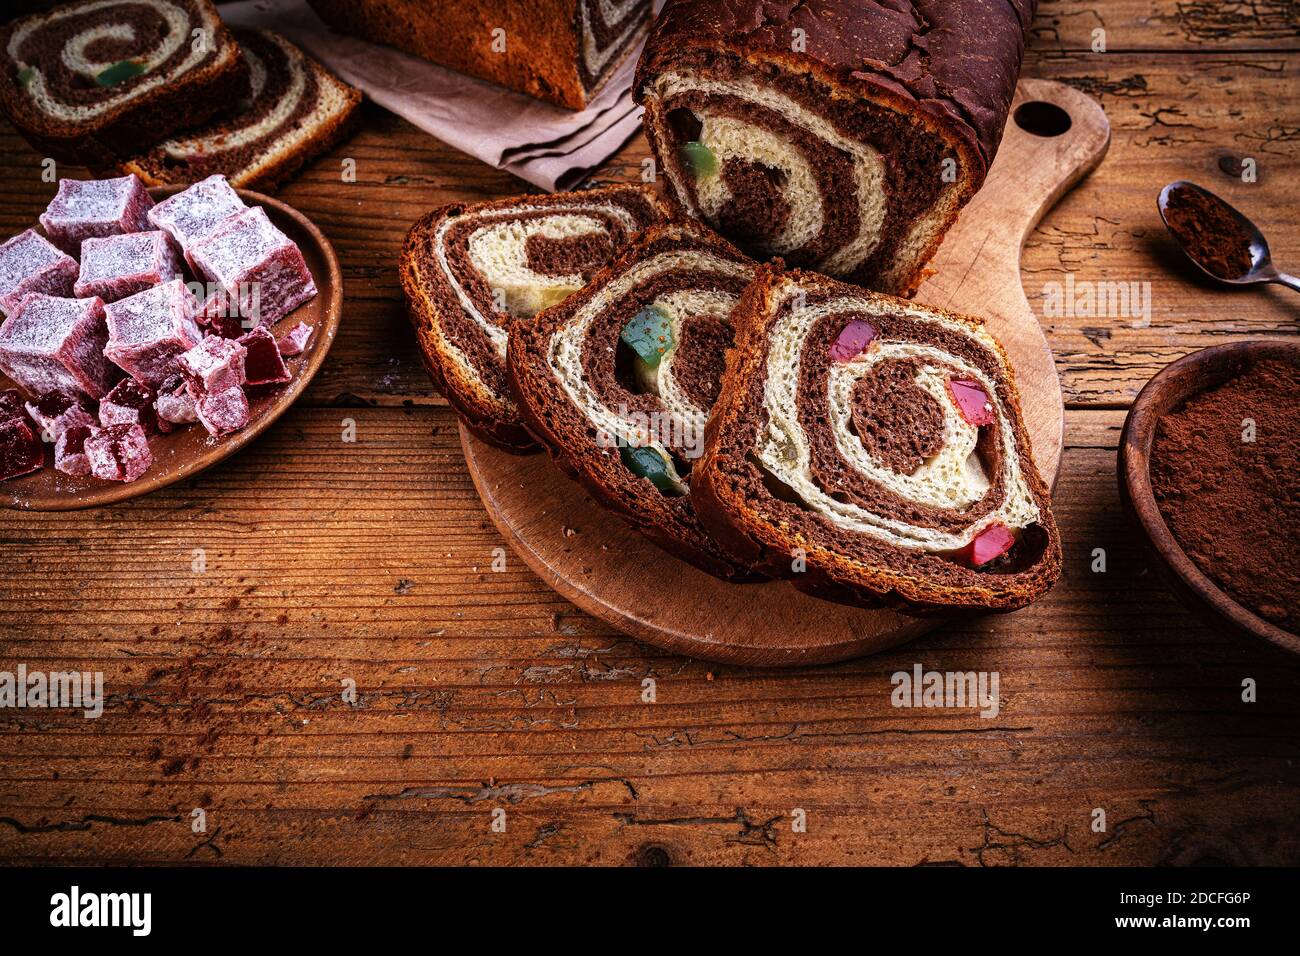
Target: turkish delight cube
55	412
263	364
148	331
190	215
175	404
261	267
129	402
294	342
214	365
220	315
70	450
118	452
223	412
83	208
54	343
21	451
11	404
31	263
117	266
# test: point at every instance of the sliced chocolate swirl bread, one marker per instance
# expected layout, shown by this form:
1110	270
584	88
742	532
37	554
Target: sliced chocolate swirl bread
873	451
618	381
297	110
843	135
89	82
471	271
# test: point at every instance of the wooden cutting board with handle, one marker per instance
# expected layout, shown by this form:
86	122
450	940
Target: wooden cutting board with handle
1055	137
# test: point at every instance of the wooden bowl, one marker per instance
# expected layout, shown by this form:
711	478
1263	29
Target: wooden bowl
1174	384
189	449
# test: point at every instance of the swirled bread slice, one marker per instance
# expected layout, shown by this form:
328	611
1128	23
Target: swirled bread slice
297	111
872	450
618	381
89	82
472	271
844	135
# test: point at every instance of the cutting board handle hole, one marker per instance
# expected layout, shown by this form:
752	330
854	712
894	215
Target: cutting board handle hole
1042	118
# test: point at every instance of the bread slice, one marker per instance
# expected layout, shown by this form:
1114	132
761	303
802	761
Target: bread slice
471	271
872	450
611	421
89	82
298	110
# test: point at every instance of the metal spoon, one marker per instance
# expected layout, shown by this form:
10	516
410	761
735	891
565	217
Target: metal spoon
1261	260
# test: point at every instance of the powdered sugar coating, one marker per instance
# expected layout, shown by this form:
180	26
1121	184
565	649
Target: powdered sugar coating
118	452
261	267
56	412
118	266
191	214
223	412
83	208
52	343
176	403
31	263
149	330
70	449
129	403
214	365
294	342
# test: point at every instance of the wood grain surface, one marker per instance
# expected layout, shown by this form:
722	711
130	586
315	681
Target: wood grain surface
479	690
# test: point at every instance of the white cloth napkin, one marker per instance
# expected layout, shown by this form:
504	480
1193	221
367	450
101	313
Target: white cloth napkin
550	147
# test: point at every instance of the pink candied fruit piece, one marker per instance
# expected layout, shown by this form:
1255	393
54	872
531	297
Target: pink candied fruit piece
852	341
55	412
192	213
129	403
31	263
257	264
86	208
993	542
294	342
52	343
70	450
223	412
175	404
118	452
21	450
263	366
214	365
118	266
972	401
148	331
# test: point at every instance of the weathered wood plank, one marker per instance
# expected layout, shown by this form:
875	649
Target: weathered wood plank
481	689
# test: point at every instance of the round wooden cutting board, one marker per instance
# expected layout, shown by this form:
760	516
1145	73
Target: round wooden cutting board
1055	137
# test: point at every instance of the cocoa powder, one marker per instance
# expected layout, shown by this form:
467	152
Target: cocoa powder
1233	504
1209	232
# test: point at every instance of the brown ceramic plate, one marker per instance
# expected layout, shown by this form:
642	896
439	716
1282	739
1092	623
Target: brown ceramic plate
188	450
1176	383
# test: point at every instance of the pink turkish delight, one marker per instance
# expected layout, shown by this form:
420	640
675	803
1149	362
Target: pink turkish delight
129	403
148	331
30	263
294	342
219	314
190	215
175	404
223	412
261	267
118	452
11	404
118	266
53	343
263	364
214	365
56	412
70	450
83	208
21	451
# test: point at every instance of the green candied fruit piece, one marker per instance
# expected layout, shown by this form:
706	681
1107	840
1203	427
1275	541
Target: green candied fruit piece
649	334
700	159
26	75
119	72
648	463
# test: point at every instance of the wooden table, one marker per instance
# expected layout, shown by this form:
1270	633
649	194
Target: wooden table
481	691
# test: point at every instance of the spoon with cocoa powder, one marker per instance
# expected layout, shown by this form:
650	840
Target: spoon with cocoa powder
1223	243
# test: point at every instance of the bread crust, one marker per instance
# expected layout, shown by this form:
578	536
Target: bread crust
668	522
494	421
204	92
739	525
